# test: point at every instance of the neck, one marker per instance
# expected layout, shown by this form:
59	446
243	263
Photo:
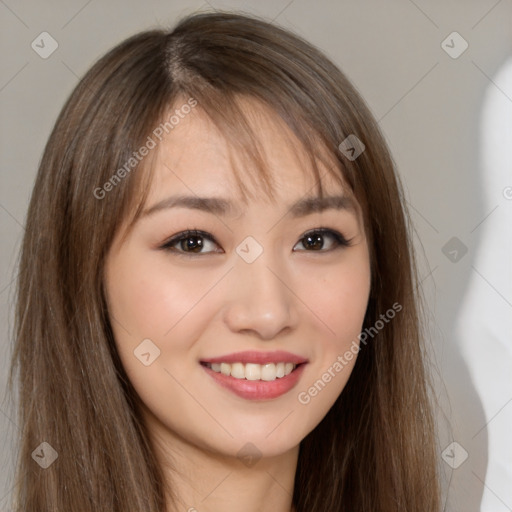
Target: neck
199	480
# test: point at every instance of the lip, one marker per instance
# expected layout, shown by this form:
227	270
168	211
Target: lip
256	389
257	357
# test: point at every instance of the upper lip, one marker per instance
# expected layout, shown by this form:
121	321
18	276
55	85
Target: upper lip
256	357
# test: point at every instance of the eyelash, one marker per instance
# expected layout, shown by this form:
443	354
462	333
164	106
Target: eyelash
339	240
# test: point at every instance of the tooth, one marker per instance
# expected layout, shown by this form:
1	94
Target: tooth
268	371
238	371
252	371
225	369
288	367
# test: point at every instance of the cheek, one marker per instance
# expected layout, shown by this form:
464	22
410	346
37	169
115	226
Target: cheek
340	299
149	301
343	306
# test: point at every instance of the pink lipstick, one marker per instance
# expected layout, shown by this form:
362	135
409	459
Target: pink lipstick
255	375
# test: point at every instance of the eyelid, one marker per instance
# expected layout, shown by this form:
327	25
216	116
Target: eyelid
341	241
167	245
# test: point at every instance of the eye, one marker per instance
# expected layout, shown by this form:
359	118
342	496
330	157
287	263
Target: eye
322	239
191	241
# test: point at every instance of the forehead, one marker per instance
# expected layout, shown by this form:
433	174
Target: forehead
196	157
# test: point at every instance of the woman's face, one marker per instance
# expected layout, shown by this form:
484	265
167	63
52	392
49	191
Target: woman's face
209	325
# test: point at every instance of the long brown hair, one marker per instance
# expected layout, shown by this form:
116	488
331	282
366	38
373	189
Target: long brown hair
375	449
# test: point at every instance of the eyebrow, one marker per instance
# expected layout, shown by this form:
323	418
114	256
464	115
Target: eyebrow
220	206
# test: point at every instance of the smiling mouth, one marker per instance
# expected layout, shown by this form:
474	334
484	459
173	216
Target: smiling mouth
254	372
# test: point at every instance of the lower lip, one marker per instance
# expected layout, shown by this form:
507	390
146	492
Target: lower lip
257	389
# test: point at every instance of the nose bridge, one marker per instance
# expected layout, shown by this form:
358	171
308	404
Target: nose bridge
259	298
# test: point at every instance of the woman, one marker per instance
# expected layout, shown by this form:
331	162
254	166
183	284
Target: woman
216	304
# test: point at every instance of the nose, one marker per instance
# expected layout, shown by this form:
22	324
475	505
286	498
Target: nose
261	300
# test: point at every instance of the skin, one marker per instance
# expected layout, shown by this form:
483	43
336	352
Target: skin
195	306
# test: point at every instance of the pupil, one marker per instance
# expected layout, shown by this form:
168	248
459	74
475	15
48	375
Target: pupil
192	243
314	242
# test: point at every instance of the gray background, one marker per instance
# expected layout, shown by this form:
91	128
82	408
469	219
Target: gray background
431	108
